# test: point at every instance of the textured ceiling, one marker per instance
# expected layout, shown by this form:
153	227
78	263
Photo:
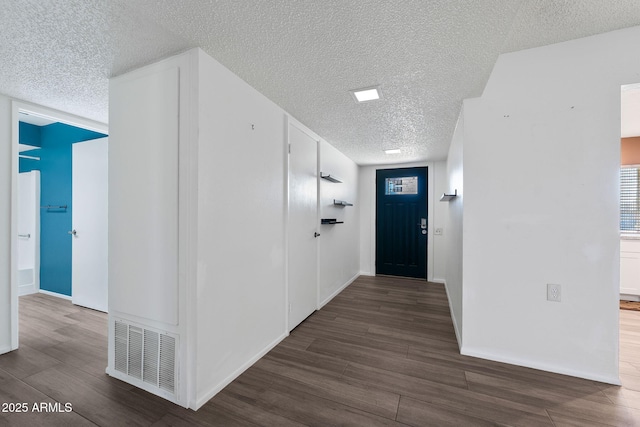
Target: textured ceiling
427	56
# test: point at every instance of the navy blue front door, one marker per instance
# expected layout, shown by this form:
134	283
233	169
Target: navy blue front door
401	222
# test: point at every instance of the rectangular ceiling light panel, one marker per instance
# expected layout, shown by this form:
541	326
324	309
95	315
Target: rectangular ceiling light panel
366	94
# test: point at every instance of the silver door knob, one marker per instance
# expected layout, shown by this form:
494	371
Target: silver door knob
73	233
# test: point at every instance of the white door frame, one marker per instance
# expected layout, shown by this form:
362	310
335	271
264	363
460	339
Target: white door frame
18	107
431	200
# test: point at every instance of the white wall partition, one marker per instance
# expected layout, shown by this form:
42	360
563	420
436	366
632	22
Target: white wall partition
228	172
143	184
541	171
149	224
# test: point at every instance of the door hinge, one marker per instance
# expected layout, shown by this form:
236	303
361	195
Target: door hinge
289	148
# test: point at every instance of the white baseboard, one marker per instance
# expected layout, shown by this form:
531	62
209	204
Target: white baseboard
27	289
456	329
337	291
367	273
218	388
55	294
540	366
142	385
5	349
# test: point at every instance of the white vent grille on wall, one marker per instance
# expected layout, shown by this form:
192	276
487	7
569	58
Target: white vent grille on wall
145	355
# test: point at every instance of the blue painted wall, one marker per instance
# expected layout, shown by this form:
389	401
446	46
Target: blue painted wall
55	189
29	134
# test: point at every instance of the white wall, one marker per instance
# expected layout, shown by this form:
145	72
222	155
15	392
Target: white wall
454	230
437	213
439	219
541	165
241	219
143	193
339	244
152	208
6	158
231	217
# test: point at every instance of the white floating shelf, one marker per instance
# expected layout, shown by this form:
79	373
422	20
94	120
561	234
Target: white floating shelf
446	197
330	177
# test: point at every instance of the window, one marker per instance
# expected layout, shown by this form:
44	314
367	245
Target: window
406	185
630	199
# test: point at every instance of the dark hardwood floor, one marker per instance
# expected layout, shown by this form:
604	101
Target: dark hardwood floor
383	352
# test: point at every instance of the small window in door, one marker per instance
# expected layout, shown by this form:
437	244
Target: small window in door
399	186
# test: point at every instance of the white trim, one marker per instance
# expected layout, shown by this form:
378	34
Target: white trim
366	273
318	198
6	349
287	168
61	116
540	366
218	388
13	263
55	294
456	329
337	291
188	170
629	297
27	289
438	280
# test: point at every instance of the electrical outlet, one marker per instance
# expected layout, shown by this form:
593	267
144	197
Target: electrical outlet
438	231
553	292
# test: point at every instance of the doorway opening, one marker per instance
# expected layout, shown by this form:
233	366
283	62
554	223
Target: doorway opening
43	242
629	193
401	222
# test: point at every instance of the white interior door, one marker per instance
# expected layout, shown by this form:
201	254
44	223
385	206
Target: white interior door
89	218
303	221
28	232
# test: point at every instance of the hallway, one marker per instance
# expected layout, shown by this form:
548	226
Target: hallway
383	352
